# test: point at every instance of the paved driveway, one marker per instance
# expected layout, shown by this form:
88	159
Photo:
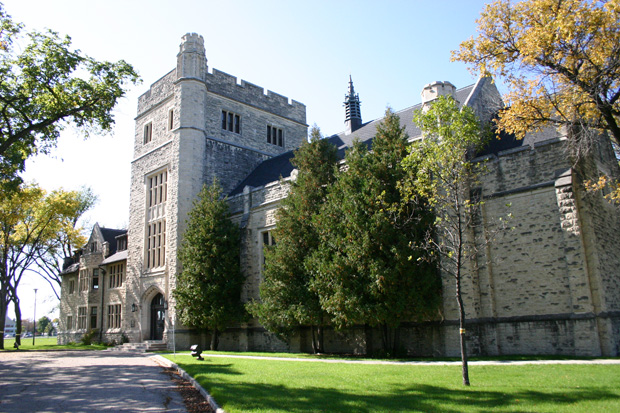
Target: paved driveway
85	381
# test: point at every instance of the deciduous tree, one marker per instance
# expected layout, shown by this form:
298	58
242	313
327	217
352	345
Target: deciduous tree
43	324
287	301
208	291
30	219
561	62
68	237
442	172
46	85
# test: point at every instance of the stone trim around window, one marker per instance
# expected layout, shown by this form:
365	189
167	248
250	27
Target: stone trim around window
231	121
275	136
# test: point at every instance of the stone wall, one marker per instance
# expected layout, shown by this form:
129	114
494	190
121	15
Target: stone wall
193	150
535	289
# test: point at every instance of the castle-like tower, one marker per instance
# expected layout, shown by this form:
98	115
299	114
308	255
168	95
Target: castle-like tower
192	126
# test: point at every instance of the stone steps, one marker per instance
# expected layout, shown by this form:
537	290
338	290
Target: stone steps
146	346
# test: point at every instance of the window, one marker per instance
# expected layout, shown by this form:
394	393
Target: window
231	122
114	316
121	243
156	220
93	317
69	325
156	244
83	280
116	275
171	119
82	318
148	132
71	286
158	189
268	241
95	279
275	136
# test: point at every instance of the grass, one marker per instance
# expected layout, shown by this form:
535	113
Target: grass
362	357
48	343
247	385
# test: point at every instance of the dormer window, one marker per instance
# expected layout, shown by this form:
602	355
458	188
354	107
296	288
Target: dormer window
121	243
93	247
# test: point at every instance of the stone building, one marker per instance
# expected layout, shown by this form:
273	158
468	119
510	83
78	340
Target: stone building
550	286
93	288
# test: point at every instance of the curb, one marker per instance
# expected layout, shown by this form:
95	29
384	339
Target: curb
162	361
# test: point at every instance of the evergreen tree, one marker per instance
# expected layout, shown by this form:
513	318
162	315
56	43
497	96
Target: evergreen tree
286	299
365	270
209	285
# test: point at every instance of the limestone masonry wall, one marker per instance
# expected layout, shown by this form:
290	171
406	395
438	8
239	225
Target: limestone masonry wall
247	93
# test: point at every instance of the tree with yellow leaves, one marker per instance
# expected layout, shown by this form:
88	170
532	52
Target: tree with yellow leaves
560	60
32	222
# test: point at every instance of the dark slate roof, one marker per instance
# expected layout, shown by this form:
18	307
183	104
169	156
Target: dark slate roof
280	166
109	235
268	171
71	268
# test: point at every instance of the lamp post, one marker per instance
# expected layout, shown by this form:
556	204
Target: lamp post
34	328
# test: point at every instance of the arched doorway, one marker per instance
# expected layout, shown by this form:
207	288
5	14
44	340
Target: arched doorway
158	317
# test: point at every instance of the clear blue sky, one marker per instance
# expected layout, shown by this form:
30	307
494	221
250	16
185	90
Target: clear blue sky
303	50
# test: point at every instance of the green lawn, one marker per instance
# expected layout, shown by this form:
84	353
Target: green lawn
47	343
243	385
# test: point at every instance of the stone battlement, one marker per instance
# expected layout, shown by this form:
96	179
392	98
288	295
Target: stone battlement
226	85
158	91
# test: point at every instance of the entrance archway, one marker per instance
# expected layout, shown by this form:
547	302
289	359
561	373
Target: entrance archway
158	317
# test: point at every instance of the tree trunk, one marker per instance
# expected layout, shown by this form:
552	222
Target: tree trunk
462	331
3	311
396	341
314	340
215	339
317	339
321	343
368	332
18	322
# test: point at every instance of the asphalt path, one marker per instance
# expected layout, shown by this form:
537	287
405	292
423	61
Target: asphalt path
85	381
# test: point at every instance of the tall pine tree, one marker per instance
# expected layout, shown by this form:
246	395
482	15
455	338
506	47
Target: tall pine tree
366	270
286	299
208	291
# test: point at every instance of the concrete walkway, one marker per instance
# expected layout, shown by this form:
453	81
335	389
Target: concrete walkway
85	381
416	363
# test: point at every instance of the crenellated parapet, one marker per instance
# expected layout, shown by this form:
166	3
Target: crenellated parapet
159	91
228	86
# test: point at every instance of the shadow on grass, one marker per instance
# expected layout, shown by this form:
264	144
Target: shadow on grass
413	398
238	395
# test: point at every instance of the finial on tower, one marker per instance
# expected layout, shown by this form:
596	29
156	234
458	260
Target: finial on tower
192	59
353	112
